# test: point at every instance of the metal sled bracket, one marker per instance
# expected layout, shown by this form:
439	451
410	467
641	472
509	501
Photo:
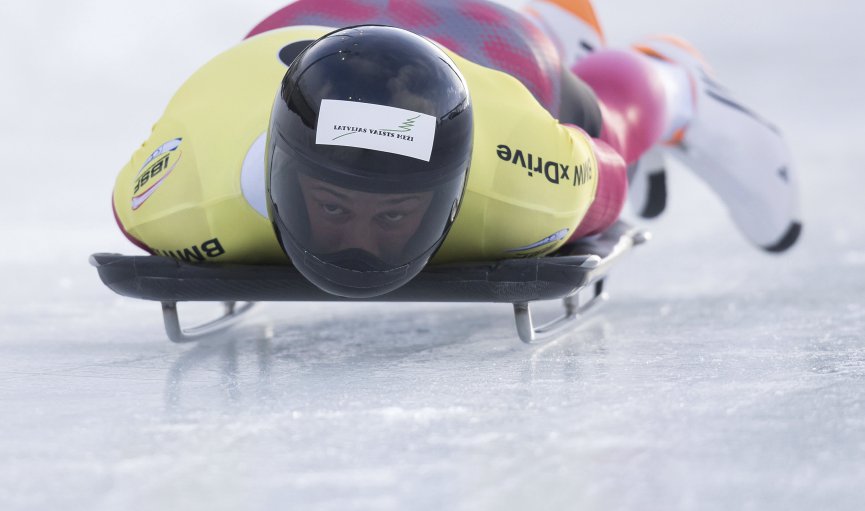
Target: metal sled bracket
594	266
549	331
177	334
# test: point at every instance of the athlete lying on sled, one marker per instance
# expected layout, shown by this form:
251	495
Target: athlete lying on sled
471	133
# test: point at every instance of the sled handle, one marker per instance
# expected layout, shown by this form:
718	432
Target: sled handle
179	335
529	334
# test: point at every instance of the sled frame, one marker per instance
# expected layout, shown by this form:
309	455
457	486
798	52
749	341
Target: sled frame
580	270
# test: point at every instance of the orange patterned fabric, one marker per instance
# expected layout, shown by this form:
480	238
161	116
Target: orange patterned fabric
675	41
683	44
582	9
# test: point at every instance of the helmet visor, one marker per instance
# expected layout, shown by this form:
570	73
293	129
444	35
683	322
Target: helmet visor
350	235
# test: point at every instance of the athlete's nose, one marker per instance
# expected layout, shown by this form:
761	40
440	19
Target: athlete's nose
359	235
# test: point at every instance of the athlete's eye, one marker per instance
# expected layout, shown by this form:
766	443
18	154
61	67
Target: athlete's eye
392	216
332	209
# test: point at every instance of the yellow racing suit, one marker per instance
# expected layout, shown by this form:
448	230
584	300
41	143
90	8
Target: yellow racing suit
194	190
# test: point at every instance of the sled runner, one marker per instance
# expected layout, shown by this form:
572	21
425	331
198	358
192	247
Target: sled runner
577	267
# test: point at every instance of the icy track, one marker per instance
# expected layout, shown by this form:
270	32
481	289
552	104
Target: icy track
718	378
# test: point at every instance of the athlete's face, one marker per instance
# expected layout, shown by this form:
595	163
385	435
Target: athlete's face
342	219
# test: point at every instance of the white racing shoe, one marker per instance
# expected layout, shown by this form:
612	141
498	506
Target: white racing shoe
741	156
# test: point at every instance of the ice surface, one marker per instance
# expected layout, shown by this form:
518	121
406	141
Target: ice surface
717	378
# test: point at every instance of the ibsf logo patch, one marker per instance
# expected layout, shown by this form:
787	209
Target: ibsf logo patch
154	171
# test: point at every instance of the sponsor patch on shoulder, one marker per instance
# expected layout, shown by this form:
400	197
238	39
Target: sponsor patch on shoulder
155	169
376	127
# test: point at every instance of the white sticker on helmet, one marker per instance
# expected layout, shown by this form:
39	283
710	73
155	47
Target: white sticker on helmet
376	127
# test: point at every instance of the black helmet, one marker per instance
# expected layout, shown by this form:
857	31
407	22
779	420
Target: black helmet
369	146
